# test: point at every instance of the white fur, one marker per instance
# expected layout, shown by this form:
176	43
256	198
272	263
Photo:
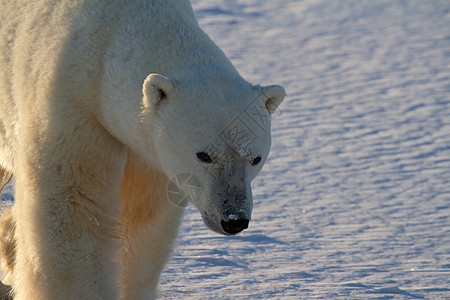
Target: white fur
102	103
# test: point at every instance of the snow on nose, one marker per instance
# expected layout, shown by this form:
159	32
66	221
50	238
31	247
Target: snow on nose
234	226
235	223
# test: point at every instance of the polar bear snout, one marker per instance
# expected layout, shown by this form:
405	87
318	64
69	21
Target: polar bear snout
232	227
234	223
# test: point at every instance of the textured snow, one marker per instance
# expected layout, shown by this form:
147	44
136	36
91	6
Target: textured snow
354	200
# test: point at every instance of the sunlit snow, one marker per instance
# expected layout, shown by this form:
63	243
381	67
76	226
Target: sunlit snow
354	199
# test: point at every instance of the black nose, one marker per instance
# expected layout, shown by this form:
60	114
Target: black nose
234	226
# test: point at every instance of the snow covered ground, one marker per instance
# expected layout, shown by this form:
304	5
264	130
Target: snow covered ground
354	201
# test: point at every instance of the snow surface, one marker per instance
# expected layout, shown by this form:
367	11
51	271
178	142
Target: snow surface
354	200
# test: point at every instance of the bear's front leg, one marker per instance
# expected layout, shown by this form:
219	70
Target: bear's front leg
150	227
66	210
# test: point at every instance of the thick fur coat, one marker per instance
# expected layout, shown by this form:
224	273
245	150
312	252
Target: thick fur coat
102	105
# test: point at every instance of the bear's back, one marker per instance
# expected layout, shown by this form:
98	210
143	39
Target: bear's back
63	55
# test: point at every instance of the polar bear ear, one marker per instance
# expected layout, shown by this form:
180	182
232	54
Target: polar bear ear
155	89
274	95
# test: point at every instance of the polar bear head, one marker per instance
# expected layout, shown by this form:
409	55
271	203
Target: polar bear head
211	136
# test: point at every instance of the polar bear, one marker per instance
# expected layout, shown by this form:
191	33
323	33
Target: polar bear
109	111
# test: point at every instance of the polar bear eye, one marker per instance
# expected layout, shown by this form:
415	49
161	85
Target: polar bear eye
204	157
256	160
